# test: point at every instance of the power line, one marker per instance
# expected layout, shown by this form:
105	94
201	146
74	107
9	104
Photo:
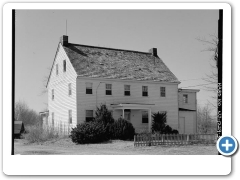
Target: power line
197	85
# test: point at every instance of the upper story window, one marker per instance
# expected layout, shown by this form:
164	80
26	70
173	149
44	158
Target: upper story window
163	91
56	69
52	118
108	89
64	66
89	115
185	98
52	94
70	116
69	89
144	117
88	88
144	91
127	90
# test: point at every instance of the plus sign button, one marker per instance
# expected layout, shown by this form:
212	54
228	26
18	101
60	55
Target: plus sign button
227	145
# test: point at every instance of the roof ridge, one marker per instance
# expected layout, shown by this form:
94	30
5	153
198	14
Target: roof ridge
116	49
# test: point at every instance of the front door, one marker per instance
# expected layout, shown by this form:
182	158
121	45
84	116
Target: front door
181	125
127	114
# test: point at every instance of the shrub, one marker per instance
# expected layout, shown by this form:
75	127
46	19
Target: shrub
103	115
122	129
159	124
36	133
89	132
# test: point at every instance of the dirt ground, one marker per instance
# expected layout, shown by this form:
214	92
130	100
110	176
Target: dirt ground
65	146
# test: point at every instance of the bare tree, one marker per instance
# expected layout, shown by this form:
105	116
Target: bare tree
23	113
206	122
212	78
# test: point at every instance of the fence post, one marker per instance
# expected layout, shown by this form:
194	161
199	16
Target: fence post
187	138
134	140
149	139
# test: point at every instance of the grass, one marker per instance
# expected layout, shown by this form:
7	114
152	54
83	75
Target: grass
37	133
64	146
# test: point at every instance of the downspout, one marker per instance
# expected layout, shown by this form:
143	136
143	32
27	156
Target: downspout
96	93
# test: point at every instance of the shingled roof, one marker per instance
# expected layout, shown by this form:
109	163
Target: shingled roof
92	61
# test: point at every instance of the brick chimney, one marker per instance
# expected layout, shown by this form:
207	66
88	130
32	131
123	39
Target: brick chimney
153	51
64	40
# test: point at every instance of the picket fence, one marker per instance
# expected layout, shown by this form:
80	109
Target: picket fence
61	128
172	139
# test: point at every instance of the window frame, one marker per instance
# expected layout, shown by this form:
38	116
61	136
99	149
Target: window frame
145	118
57	70
53	95
87	118
64	66
127	91
144	91
69	89
89	90
69	116
108	91
162	93
185	98
52	118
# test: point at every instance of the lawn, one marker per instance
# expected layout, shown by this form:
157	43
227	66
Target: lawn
64	146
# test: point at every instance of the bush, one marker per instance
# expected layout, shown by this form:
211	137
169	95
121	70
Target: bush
89	132
159	124
103	115
36	133
122	129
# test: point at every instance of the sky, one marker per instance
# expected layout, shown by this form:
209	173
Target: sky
174	33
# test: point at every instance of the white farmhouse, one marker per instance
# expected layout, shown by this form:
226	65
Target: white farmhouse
132	84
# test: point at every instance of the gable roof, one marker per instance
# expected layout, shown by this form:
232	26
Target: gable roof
92	61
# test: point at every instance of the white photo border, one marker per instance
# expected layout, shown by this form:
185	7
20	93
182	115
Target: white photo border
114	164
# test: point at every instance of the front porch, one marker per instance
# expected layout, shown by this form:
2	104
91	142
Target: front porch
135	113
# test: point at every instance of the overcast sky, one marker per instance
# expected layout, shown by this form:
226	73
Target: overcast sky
173	32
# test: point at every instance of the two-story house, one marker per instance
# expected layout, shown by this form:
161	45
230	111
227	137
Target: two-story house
132	84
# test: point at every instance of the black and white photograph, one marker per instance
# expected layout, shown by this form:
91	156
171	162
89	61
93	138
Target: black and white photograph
112	82
135	83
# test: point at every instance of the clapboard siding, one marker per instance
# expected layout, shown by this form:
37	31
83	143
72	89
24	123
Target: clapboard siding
62	101
190	121
88	102
192	101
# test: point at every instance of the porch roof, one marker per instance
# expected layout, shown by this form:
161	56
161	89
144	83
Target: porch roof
131	106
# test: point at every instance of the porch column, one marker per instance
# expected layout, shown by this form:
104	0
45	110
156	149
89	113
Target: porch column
149	120
123	114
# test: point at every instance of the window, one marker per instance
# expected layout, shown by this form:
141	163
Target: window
89	115
144	117
144	91
52	94
52	118
70	116
64	66
88	88
163	91
56	69
127	90
185	98
108	89
69	89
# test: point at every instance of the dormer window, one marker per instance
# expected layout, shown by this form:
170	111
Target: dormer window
64	66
